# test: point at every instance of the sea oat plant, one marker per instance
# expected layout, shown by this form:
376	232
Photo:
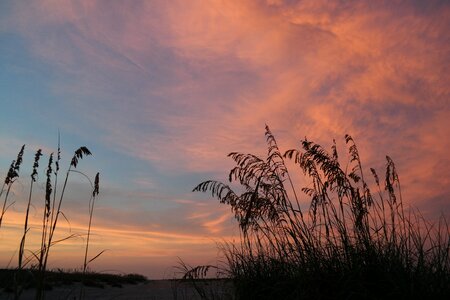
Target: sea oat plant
91	213
349	244
95	192
51	212
51	215
13	174
26	228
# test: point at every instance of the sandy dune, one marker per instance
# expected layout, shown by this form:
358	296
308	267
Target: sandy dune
153	289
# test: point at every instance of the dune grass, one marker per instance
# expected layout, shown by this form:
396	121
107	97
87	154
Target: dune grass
352	243
35	264
60	277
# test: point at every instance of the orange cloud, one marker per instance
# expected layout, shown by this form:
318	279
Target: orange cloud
311	69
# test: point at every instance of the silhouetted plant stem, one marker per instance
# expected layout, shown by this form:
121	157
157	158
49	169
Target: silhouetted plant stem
55	184
95	192
74	162
4	207
25	229
91	212
10	178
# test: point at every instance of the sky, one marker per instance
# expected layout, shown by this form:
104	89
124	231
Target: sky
162	91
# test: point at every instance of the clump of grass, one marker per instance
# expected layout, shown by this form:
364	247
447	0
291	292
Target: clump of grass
350	244
51	216
52	210
60	277
208	282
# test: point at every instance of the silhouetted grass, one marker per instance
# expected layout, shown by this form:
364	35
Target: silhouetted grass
351	243
52	210
67	277
217	288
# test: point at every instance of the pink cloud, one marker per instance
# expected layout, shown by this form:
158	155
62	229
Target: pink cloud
314	71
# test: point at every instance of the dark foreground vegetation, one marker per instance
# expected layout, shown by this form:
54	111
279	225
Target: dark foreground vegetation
56	278
356	241
32	264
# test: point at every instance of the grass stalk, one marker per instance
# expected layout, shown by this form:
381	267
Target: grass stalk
13	174
25	229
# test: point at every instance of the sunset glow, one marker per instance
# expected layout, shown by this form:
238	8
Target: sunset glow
162	91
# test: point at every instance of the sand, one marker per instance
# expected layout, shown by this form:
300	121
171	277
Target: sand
152	289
